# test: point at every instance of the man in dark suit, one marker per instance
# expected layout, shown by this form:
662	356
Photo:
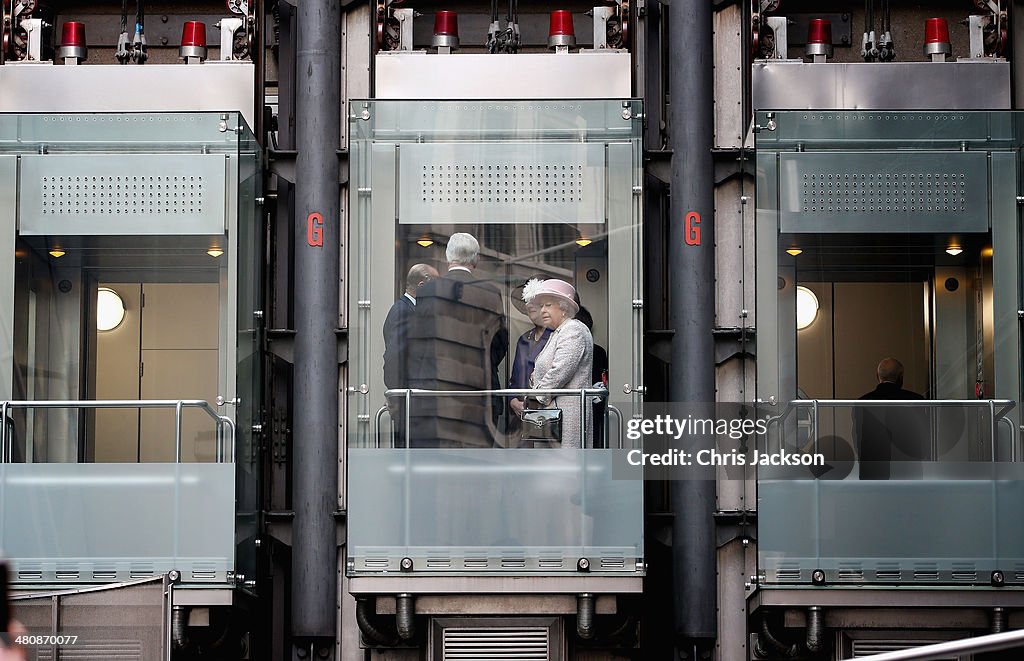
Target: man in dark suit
396	341
457	338
879	429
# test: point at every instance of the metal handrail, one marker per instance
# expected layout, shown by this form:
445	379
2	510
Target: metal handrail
224	449
997	415
409	393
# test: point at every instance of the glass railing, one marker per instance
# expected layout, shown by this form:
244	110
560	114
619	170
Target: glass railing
504	509
905	493
107	522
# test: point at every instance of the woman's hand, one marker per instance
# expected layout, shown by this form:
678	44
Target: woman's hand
15	652
517	406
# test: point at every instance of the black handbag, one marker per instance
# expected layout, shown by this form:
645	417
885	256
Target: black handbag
542	425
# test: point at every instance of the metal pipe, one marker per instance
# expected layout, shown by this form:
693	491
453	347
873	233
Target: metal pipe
405	616
376	426
177	432
583	418
774	644
992	422
317	234
371	626
952	648
998	620
815	628
814	425
6	456
585	616
6	452
420	392
179	620
691	264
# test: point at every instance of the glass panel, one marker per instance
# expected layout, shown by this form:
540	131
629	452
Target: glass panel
479	198
104	522
249	394
921	503
153	217
166	346
888	289
459	510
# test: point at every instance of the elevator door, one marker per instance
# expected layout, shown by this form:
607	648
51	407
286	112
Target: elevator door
165	348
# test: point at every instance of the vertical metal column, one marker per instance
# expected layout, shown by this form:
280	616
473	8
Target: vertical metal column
691	262
315	381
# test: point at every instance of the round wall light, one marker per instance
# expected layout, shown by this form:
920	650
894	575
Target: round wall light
806	307
109	309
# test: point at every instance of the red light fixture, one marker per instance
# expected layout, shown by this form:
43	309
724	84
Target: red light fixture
936	39
819	39
561	34
446	30
72	42
193	42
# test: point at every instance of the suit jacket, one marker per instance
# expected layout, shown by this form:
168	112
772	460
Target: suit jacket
457	338
396	340
880	429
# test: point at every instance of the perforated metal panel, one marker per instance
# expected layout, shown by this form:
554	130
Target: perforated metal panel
883	192
122	194
501	183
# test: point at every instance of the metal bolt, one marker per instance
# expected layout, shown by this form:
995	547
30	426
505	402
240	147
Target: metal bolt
163	41
583	564
627	113
163	19
174	576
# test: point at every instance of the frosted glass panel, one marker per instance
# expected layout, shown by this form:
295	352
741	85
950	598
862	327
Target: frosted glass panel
524	509
126	519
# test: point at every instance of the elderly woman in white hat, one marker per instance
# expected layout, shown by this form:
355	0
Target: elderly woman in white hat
566	360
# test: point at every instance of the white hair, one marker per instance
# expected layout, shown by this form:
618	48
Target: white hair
463	249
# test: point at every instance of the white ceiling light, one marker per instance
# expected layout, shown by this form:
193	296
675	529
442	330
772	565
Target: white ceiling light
806	307
109	309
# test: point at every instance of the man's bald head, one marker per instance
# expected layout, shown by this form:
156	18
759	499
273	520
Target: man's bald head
890	370
419	275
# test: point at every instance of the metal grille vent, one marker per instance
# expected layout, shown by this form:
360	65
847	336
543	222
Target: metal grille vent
484	644
869	192
862	648
95	650
122	195
502	183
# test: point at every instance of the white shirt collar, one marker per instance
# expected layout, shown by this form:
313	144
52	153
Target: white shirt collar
412	299
459	268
